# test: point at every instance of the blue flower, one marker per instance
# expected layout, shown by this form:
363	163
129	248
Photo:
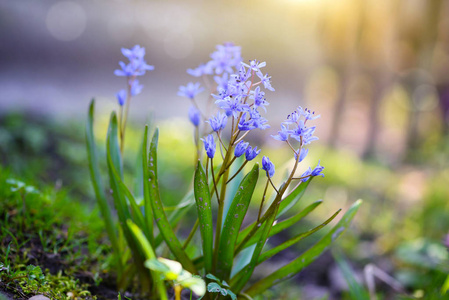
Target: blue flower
283	134
255	65
190	90
308	115
244	124
302	155
121	97
209	145
218	122
194	116
200	71
240	148
232	105
258	120
306	175
266	81
136	88
137	52
136	66
259	98
268	166
251	153
318	170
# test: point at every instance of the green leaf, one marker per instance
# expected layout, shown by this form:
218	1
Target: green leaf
213	287
307	257
281	207
98	185
212	277
266	255
281	225
146	188
158	211
204	208
149	255
137	215
239	281
236	214
291	199
177	213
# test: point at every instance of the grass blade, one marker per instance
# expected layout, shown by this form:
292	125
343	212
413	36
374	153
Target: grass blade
98	185
233	221
307	257
204	207
158	211
291	199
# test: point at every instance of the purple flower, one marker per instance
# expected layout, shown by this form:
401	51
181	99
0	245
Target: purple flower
136	88
209	145
302	155
222	81
318	170
308	115
283	134
304	134
136	66
194	116
266	81
121	97
244	124
259	98
218	122
240	148
200	71
268	166
232	105
137	52
258	120
190	90
306	175
255	65
251	153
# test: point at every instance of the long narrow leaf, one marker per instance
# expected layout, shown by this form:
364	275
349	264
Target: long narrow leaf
234	219
146	188
158	211
187	203
240	280
281	225
115	178
307	257
98	185
266	255
204	208
136	213
281	208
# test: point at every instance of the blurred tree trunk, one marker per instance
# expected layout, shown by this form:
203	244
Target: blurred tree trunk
426	43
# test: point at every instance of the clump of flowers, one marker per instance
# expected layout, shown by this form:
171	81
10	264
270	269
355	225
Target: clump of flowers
235	106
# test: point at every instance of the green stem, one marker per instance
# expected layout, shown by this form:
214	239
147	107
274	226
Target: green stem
191	234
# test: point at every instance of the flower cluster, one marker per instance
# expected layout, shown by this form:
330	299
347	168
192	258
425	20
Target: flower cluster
295	127
136	66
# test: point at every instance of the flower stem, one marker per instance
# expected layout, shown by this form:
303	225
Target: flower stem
191	234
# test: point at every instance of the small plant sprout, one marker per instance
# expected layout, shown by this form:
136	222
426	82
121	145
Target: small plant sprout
234	106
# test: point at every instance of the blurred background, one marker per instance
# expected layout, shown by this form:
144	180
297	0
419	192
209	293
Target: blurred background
376	70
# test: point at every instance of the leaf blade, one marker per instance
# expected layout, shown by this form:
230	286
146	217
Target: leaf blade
204	208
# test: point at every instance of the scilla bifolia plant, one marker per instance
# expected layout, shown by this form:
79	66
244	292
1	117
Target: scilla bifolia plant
228	254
